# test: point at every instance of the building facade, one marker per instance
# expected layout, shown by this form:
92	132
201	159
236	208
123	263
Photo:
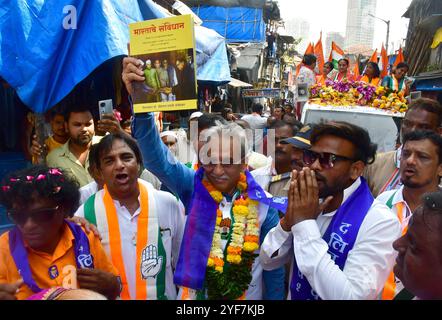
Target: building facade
360	26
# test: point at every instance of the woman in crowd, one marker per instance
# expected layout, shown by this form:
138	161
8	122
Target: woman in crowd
343	72
46	250
372	74
326	71
397	81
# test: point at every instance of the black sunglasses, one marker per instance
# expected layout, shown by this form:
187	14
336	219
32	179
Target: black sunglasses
43	215
326	160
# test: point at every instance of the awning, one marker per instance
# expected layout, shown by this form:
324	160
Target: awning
239	84
286	38
429	81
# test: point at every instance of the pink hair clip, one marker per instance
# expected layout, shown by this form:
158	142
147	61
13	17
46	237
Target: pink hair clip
14	180
29	178
41	177
6	188
55	172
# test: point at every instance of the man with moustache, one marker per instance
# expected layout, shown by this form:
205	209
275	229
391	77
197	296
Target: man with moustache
340	248
383	175
279	185
73	156
421	169
419	260
141	227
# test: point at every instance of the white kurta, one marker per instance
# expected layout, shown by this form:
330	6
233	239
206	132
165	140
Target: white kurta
171	219
368	264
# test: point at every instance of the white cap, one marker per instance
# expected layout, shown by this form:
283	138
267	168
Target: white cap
148	62
195	115
168	133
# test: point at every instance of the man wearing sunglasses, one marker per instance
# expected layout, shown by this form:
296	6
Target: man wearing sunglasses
340	246
45	250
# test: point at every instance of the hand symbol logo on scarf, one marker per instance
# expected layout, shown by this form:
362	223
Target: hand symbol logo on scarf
151	263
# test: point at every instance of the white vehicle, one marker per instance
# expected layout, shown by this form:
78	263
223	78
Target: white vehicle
380	124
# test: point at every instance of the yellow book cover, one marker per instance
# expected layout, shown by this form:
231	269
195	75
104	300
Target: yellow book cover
166	48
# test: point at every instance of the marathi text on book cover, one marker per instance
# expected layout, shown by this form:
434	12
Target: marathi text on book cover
166	48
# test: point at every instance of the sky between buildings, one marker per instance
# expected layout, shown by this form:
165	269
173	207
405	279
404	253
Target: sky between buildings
331	15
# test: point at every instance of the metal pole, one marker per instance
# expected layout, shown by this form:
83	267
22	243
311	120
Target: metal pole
388	35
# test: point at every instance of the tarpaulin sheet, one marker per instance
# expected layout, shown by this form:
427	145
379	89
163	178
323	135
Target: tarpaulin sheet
44	61
236	24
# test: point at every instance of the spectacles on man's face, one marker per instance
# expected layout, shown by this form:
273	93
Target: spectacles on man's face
326	160
44	215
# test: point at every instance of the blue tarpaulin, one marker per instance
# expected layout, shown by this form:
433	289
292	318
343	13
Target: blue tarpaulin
43	60
429	84
236	24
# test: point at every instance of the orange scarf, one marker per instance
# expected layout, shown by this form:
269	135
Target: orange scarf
374	81
115	241
390	286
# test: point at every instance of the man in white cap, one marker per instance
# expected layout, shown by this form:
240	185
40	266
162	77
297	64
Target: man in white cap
170	139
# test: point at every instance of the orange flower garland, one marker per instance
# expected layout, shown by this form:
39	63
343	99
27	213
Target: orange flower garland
245	233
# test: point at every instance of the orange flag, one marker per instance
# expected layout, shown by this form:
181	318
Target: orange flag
383	62
319	53
356	70
399	57
374	57
309	50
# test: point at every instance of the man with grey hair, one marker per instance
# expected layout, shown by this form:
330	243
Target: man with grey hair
188	185
222	169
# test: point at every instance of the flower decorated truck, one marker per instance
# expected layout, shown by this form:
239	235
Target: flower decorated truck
376	109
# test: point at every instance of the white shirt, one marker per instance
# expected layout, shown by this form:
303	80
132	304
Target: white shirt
306	75
255	121
171	219
398	198
257	124
367	266
88	190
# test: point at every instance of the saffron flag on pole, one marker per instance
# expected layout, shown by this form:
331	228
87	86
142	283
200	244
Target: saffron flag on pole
356	69
374	57
336	54
319	53
383	62
309	50
399	57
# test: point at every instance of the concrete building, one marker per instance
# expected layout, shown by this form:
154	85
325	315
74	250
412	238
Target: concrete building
360	26
299	28
335	37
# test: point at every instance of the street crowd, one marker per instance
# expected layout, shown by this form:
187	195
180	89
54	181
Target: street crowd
298	211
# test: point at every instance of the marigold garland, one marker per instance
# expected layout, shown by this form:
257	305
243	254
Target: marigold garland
244	241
